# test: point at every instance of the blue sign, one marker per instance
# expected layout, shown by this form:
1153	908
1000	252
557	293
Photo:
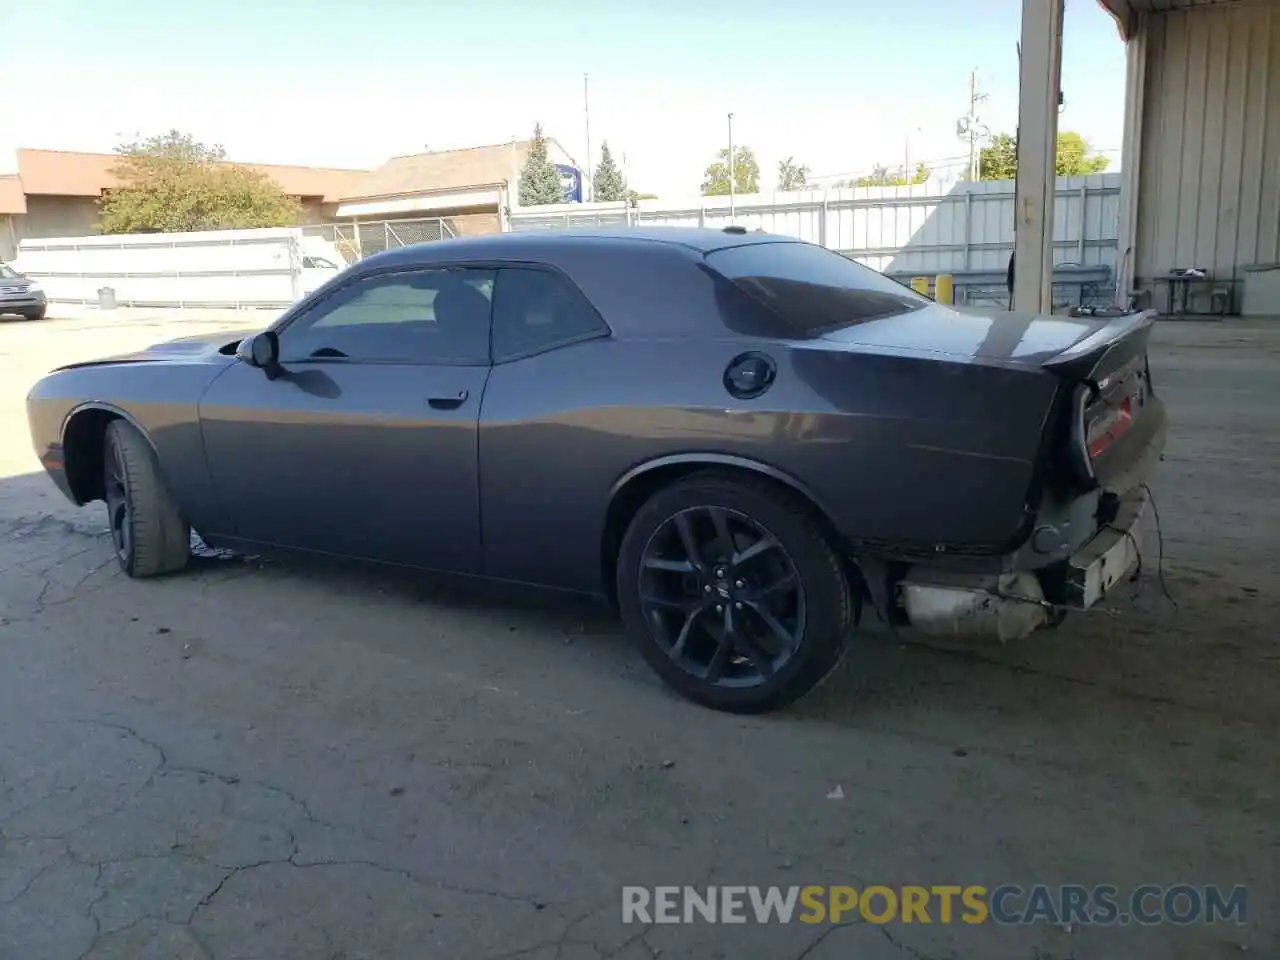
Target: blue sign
571	180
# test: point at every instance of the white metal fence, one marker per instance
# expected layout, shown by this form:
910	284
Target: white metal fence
921	229
223	268
217	268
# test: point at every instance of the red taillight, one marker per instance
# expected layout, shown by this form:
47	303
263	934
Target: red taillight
1109	427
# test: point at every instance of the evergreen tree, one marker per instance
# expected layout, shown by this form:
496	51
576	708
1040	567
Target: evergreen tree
607	183
540	180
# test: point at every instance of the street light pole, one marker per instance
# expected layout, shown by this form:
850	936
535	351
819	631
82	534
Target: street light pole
732	186
588	187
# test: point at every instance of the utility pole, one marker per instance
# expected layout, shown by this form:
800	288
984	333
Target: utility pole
972	119
732	178
970	126
588	188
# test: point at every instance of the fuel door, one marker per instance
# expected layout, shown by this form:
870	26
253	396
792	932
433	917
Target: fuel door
749	375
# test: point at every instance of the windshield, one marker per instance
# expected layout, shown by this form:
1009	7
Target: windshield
812	289
8	273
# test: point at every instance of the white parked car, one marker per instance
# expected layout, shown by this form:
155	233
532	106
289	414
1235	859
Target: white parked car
317	271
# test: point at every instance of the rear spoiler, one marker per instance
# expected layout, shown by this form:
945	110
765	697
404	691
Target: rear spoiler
1105	349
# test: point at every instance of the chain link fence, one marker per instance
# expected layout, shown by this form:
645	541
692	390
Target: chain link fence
355	240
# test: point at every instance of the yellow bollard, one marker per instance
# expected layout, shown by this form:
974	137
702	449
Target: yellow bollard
944	288
920	285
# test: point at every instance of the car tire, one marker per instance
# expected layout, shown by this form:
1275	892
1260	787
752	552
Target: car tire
660	606
35	315
148	533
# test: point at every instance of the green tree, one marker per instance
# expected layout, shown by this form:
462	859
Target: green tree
172	183
607	183
539	180
1072	158
746	173
998	160
634	195
1075	158
882	176
792	175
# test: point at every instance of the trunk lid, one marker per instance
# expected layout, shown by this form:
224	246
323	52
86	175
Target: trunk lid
992	336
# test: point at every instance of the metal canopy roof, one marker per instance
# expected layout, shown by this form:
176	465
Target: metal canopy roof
1124	10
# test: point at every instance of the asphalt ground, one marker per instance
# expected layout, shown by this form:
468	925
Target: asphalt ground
287	760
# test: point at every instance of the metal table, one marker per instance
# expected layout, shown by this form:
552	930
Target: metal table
1180	289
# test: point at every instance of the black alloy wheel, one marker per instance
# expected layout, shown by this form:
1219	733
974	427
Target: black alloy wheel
733	591
148	534
721	596
119	505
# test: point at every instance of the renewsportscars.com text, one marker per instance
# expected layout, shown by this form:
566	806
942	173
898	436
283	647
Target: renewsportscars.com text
1099	905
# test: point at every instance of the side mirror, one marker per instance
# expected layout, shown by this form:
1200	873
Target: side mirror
261	350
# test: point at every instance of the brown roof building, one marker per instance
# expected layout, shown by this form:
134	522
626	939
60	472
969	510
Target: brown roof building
466	188
55	192
13	202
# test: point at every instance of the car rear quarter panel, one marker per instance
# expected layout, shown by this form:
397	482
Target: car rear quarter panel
891	448
160	398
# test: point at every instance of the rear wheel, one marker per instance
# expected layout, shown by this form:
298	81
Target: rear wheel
733	592
147	530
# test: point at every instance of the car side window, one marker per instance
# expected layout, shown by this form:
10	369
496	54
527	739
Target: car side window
535	310
417	316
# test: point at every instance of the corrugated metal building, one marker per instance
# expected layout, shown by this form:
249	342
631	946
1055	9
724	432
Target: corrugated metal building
1202	144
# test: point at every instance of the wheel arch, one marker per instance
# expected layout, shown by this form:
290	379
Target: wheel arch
634	488
84	444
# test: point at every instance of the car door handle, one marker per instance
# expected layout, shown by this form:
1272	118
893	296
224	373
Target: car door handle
449	403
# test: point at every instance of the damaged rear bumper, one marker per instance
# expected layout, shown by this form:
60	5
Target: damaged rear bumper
1009	606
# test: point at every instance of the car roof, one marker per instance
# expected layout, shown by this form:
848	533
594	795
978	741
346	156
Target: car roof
529	243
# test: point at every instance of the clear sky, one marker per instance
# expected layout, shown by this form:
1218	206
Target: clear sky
841	86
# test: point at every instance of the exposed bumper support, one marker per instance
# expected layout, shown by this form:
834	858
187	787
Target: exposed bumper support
1006	607
1011	606
1106	559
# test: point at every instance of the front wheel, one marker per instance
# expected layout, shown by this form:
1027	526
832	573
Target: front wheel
147	530
35	315
733	592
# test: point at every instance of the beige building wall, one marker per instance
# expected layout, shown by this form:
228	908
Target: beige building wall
1209	167
58	217
473	224
314	211
8	237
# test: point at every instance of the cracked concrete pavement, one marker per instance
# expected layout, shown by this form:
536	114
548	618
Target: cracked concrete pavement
303	761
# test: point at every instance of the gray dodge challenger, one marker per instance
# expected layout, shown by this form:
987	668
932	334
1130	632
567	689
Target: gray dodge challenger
751	445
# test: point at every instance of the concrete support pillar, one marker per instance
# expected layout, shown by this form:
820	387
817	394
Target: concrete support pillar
1040	80
1126	268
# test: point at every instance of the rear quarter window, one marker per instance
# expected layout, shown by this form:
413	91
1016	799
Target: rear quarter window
810	289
